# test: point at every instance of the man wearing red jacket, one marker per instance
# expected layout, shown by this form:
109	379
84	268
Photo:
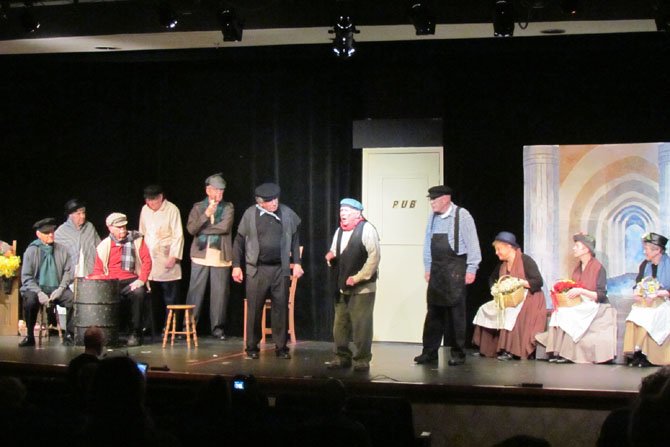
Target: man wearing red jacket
123	255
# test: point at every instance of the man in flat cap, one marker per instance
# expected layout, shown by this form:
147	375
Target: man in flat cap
210	222
79	236
355	255
46	273
642	341
451	257
124	256
266	239
160	223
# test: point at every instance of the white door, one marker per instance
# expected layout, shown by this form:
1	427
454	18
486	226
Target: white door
395	185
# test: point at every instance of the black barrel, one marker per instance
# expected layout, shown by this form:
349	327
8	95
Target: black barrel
96	304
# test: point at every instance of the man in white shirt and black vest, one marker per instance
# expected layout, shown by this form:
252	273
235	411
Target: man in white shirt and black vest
355	255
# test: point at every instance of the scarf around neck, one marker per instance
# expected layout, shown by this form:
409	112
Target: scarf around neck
48	274
127	256
352	224
212	240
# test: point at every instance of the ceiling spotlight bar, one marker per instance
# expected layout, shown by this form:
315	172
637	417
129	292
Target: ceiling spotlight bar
343	42
231	25
422	18
503	18
167	15
29	22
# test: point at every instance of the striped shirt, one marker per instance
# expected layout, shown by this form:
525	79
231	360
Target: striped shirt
468	242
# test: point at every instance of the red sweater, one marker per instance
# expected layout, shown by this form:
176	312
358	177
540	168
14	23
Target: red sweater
115	271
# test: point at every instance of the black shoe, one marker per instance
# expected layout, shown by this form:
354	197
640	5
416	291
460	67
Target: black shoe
635	360
456	361
339	363
28	341
283	354
68	340
643	362
134	341
425	358
253	355
218	333
560	359
505	356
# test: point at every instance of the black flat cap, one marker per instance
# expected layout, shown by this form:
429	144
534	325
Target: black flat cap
267	191
46	225
656	239
439	191
73	205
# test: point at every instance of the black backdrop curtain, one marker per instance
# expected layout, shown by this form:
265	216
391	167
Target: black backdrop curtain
100	127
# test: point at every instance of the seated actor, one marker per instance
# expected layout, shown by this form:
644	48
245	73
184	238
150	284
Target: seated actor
515	337
585	332
123	255
46	274
646	340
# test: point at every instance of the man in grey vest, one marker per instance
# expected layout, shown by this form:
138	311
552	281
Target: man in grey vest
355	255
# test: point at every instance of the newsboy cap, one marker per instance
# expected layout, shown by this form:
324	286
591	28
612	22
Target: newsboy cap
656	239
267	191
351	203
73	205
46	225
116	220
439	191
586	239
216	181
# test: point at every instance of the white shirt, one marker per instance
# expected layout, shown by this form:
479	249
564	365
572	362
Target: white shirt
164	237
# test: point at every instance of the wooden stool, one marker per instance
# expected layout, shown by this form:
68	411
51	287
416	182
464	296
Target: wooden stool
43	322
189	324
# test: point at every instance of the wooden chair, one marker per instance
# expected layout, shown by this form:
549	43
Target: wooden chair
189	324
267	330
43	323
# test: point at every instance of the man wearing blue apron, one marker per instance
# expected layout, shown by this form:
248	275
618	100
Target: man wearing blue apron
451	257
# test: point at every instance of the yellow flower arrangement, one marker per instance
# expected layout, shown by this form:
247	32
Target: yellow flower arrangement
9	265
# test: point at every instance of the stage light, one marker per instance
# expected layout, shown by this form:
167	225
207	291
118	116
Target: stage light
571	7
422	19
29	22
503	18
662	16
231	25
4	10
343	42
167	16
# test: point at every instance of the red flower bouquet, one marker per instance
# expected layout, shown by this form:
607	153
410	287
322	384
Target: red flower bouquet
558	293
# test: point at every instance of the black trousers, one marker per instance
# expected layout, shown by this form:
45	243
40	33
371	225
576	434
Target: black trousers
31	307
135	300
267	283
447	321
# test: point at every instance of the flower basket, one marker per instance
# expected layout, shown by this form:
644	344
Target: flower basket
508	291
560	298
646	290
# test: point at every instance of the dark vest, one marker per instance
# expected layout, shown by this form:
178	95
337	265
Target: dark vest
352	259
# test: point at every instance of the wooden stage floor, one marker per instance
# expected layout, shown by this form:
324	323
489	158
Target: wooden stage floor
392	372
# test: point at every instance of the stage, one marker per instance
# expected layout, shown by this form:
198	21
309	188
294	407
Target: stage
444	398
